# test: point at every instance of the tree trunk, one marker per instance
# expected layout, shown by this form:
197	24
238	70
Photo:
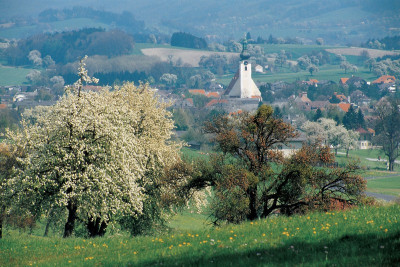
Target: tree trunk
49	216
1	226
69	226
252	204
391	165
96	227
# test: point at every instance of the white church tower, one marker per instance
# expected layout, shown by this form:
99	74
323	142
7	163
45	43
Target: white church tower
242	85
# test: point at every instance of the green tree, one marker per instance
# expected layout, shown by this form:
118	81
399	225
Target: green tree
350	120
318	115
243	176
281	58
312	68
93	161
388	128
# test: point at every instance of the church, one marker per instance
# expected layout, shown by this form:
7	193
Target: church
242	85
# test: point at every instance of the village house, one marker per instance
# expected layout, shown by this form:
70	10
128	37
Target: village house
293	145
365	140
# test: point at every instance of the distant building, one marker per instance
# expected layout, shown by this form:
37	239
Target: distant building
385	79
364	142
242	85
259	69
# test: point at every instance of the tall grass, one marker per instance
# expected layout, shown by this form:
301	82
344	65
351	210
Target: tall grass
368	236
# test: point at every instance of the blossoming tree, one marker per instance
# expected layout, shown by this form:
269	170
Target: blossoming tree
92	155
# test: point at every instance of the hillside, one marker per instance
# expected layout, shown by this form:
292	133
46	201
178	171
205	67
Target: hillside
338	22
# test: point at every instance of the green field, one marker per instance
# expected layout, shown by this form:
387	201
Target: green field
368	236
13	76
385	185
297	50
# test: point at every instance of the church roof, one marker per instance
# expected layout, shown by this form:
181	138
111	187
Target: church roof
232	83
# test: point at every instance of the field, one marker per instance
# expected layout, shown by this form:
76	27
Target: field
355	51
363	236
191	57
326	72
360	237
13	75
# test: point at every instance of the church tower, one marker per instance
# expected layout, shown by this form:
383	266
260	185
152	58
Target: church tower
242	85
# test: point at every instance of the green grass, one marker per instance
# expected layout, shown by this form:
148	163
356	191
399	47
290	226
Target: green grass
13	76
360	237
385	185
297	50
362	155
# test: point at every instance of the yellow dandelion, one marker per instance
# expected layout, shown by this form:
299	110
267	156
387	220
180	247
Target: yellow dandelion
386	230
314	232
263	234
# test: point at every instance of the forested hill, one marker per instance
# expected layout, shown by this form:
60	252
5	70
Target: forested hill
341	21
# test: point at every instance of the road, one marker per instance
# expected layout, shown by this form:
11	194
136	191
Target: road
381	196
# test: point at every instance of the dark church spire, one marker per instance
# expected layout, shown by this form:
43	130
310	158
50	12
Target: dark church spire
244	55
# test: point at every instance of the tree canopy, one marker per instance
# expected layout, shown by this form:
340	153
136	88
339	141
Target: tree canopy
252	178
93	156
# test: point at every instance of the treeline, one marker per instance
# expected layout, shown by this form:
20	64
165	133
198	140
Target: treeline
188	40
388	43
67	47
111	77
125	20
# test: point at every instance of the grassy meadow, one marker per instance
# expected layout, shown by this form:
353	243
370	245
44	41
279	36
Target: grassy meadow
367	236
13	75
363	236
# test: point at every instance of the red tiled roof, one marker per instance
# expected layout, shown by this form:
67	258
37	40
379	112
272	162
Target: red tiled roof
236	113
385	79
344	106
213	94
190	100
216	101
343	80
197	91
3	106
